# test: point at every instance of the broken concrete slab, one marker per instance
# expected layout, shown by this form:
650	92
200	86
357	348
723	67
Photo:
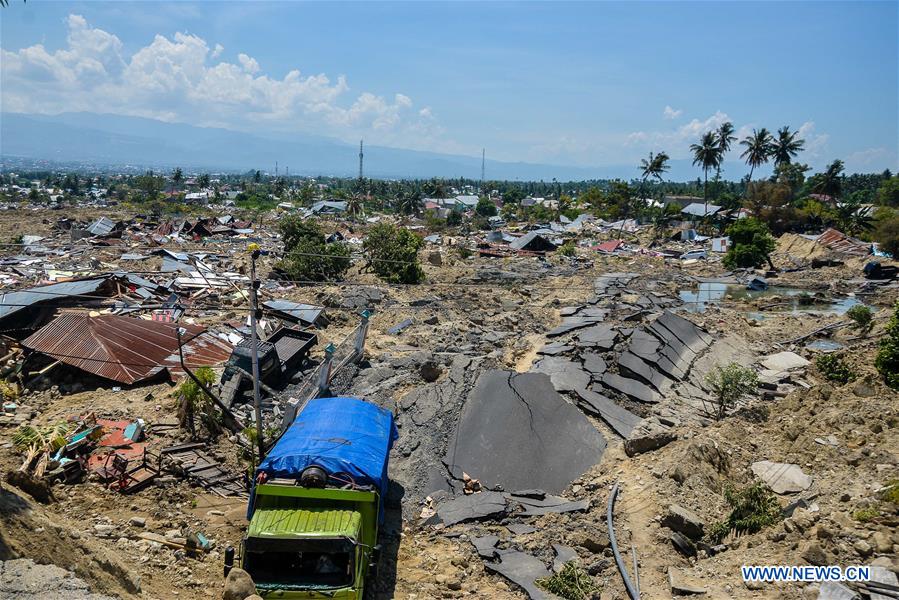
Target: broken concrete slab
551	504
782	478
570	324
523	570
681	583
884	576
831	590
631	388
516	431
594	363
521	528
634	365
646	439
555	349
472	508
683	521
690	334
600	336
485	546
784	361
620	419
564	555
566	375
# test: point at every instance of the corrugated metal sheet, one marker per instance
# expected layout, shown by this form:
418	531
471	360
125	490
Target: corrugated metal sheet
840	242
698	209
304	313
13	302
126	349
289	522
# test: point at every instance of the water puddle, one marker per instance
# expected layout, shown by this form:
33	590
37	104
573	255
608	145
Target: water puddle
783	299
825	346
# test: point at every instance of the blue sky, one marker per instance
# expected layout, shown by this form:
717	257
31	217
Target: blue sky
581	84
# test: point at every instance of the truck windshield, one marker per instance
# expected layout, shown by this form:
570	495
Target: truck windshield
300	564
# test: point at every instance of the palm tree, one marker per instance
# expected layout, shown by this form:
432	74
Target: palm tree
726	137
177	178
759	147
830	182
653	168
786	146
706	154
354	206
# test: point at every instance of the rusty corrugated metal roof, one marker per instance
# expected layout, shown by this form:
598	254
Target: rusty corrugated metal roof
126	349
839	241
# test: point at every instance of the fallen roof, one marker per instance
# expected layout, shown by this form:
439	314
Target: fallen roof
532	241
699	209
840	242
13	302
126	349
303	313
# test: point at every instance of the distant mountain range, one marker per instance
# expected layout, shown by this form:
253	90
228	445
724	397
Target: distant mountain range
113	140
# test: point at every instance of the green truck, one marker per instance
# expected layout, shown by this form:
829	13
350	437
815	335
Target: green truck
317	503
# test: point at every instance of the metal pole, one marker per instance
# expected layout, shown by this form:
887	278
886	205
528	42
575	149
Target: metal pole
254	338
231	421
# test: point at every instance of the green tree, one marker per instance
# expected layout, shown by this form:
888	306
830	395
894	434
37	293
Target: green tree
887	361
706	154
453	218
887	235
852	215
750	244
791	175
308	257
726	138
149	185
485	207
729	383
888	192
759	147
203	181
392	253
177	178
786	146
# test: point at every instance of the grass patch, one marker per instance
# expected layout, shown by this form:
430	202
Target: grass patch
571	583
863	515
891	493
752	509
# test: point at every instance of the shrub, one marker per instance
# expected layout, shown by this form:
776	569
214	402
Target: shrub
453	219
887	236
751	243
294	230
887	361
392	253
834	368
862	317
752	509
729	383
571	583
567	249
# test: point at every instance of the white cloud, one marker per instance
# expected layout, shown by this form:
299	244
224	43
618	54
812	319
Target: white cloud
671	113
179	78
815	143
676	142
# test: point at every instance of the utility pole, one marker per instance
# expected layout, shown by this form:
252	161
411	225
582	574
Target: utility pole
360	160
254	338
483	161
276	169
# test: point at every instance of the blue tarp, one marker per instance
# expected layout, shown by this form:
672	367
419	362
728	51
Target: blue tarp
339	435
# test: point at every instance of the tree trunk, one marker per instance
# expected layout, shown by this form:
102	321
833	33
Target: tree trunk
705	191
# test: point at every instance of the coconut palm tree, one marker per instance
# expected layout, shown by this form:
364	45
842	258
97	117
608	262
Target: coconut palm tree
759	147
787	145
830	182
706	154
354	206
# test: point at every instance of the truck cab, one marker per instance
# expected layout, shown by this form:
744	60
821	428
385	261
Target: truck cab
316	506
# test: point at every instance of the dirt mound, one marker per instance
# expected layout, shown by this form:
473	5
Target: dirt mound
800	247
28	530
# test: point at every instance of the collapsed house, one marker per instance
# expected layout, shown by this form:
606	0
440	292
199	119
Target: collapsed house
125	349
